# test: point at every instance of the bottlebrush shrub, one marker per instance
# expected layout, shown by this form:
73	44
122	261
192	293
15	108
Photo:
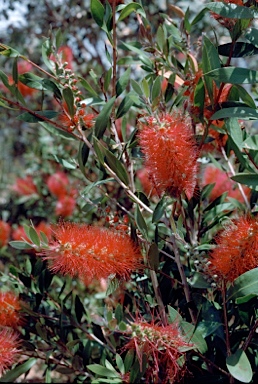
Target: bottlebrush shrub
151	238
10	308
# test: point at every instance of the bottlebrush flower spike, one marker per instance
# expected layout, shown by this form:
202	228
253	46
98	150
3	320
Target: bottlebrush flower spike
222	184
91	252
163	345
10	307
57	183
5	231
237	249
25	186
9	351
170	153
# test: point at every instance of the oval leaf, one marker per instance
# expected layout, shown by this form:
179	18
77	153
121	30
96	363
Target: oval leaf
244	285
239	366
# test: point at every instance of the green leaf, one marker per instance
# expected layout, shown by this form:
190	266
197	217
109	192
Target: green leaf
97	11
116	166
252	35
102	120
194	336
233	75
88	87
234	130
244	95
102	371
156	87
160	37
57	131
123	81
69	99
46	52
174	316
11	376
245	113
15	70
83	155
244	285
210	61
159	209
231	11
240	49
140	222
120	364
128	9
31	118
146	88
34	237
119	313
65	163
20	244
239	366
129	100
250	179
136	87
251	143
198	281
49	85
107	78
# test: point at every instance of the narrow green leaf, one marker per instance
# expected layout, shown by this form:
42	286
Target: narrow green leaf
8	51
194	336
107	78
244	285
11	376
210	61
140	222
231	11
239	366
244	95
251	143
117	166
83	155
159	210
79	308
233	75
97	11
128	101
240	49
146	88
102	120
252	35
156	88
123	81
245	113
15	70
34	237
31	118
88	87
69	99
136	87
160	37
20	244
46	52
120	364
174	316
119	313
128	9
250	179
102	371
57	131
234	130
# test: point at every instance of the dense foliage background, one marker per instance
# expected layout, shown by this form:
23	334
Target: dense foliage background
128	192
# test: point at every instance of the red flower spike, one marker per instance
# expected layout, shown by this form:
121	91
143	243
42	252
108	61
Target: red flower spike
9	351
91	252
163	346
9	310
25	186
57	183
222	184
5	231
170	153
237	249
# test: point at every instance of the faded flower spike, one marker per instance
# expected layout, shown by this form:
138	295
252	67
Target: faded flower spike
91	252
237	249
8	349
163	345
170	153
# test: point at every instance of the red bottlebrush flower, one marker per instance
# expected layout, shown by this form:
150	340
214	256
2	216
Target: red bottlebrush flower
88	120
9	349
57	184
9	310
25	186
91	252
236	251
163	345
5	231
65	206
144	175
222	184
170	153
